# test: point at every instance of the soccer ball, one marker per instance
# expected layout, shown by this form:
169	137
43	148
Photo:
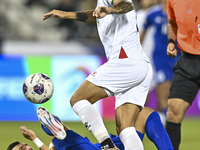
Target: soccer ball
38	88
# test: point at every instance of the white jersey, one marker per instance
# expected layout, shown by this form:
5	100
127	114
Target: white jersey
119	31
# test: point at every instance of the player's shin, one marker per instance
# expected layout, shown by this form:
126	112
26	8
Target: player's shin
93	122
156	132
130	139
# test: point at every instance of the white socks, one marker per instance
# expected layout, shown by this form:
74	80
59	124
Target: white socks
130	139
91	119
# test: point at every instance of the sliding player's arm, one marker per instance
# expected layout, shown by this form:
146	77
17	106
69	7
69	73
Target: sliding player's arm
84	16
30	135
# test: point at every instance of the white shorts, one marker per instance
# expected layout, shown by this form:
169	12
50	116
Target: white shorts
126	79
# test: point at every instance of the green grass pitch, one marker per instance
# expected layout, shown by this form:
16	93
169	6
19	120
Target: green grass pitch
10	132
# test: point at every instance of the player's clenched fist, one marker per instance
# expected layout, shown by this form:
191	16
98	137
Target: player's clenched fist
171	50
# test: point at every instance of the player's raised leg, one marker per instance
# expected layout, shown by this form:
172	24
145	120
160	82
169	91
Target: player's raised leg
128	105
82	101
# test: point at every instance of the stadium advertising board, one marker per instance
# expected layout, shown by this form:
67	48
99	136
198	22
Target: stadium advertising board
67	73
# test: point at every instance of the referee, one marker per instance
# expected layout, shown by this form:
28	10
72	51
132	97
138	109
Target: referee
183	27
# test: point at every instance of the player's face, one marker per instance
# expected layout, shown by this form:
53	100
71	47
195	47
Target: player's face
22	146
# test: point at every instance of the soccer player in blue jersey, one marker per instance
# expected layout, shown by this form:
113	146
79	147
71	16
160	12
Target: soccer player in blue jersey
148	121
163	64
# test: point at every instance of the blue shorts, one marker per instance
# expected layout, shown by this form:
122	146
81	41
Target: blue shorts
162	75
163	66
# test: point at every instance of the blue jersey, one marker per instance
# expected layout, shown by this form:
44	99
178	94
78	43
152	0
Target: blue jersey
163	64
157	18
74	141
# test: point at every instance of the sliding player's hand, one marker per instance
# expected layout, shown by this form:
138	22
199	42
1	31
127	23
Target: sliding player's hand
27	133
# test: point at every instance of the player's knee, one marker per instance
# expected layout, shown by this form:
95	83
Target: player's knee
75	98
170	115
142	117
120	127
174	114
118	130
72	100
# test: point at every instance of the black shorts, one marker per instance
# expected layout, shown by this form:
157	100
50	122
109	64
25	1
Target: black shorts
186	78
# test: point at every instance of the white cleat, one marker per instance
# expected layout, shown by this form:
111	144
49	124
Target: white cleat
48	120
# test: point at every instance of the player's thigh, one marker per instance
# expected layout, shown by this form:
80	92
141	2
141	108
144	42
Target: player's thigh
129	103
163	77
162	91
163	87
125	116
88	91
137	94
176	109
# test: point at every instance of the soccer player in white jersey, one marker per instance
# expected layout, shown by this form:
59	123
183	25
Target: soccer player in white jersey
126	75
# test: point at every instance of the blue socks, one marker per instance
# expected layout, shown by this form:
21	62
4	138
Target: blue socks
156	132
140	135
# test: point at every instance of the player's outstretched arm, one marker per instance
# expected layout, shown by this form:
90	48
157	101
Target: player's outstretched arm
30	135
120	6
84	16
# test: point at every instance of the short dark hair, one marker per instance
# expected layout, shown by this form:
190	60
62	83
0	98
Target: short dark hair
12	145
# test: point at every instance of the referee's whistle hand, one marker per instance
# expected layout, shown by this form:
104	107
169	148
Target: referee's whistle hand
171	50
